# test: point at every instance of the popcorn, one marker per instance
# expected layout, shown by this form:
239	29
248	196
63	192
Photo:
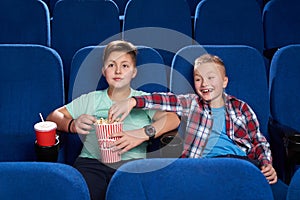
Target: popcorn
105	121
102	121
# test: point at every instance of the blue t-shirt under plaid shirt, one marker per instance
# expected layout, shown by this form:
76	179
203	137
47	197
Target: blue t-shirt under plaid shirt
241	123
219	143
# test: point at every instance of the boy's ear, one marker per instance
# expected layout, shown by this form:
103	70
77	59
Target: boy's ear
134	72
103	71
225	82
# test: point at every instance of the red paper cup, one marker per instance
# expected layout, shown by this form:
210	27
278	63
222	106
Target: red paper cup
45	133
108	155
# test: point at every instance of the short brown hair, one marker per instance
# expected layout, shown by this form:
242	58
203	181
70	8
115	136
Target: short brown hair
120	45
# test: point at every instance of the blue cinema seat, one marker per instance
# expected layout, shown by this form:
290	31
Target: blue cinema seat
24	22
31	79
87	65
284	87
245	68
41	180
77	24
281	25
209	179
294	187
193	4
163	25
229	22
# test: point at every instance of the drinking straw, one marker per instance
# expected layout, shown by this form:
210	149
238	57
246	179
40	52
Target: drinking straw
41	117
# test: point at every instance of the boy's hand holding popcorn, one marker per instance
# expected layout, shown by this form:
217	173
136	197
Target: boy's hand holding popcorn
83	124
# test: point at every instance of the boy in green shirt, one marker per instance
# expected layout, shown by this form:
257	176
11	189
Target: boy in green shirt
79	116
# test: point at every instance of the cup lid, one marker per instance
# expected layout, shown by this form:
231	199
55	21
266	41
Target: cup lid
45	126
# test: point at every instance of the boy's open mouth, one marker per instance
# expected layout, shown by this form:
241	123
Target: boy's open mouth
206	90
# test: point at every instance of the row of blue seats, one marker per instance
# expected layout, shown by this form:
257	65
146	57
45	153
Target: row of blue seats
122	4
32	82
77	24
208	179
228	13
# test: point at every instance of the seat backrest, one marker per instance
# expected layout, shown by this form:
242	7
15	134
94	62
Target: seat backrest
193	4
294	187
230	22
41	180
245	69
168	30
77	24
24	22
31	79
215	178
281	17
284	86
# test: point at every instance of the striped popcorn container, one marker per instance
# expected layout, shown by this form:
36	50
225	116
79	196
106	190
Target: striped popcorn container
103	132
108	155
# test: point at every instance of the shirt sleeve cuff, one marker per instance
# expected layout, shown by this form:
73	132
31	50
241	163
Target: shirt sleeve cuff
265	162
140	101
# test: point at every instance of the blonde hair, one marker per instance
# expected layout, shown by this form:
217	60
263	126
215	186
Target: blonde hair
209	58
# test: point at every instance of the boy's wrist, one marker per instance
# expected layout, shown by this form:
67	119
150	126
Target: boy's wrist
132	102
70	124
139	102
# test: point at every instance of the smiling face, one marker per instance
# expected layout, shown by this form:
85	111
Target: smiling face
210	81
119	69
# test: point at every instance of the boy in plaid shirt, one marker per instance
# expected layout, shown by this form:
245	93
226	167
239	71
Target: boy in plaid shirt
218	124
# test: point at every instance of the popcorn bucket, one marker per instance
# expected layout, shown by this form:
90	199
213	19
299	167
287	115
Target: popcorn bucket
103	132
108	155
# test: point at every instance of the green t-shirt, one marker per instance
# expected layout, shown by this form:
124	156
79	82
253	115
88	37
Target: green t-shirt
97	103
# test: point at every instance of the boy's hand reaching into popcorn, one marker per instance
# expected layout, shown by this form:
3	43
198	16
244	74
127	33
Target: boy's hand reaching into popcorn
121	109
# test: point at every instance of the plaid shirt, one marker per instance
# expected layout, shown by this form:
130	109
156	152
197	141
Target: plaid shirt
241	123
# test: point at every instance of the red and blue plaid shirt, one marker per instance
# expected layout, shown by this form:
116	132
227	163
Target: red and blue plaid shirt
241	123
